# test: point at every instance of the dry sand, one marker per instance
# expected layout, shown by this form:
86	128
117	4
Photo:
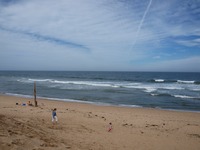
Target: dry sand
84	127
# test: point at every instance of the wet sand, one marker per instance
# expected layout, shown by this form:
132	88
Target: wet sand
85	127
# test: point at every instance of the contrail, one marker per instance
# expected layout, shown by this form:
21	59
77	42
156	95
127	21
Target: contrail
141	22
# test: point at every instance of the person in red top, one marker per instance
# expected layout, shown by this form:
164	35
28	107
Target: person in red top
110	127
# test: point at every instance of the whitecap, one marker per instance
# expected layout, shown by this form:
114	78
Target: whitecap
40	80
159	80
154	94
183	96
195	89
150	89
89	83
186	82
171	88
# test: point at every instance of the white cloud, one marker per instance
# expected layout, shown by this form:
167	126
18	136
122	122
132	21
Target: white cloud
99	34
189	43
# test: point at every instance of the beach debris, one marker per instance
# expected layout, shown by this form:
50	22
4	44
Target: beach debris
23	104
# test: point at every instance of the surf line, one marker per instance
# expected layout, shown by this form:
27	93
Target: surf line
141	23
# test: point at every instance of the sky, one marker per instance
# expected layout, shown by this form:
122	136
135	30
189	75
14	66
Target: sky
103	35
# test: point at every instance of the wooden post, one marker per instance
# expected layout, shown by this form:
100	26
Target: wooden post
35	101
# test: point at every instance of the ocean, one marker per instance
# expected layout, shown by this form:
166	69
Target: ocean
162	90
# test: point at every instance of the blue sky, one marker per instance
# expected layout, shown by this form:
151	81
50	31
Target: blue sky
104	35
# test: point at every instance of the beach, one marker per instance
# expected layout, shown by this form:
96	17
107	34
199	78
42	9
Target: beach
85	127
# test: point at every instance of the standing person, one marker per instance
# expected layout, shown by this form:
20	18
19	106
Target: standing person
110	127
54	115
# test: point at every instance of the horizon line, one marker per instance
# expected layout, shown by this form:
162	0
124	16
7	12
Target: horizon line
101	71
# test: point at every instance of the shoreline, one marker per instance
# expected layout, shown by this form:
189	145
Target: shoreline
96	103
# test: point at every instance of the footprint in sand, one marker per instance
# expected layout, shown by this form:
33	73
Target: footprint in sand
126	124
195	135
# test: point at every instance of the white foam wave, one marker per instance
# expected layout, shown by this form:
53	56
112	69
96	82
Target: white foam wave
154	94
195	89
153	87
172	88
146	87
99	84
133	106
90	83
87	83
186	82
19	95
24	80
159	80
150	89
183	96
61	82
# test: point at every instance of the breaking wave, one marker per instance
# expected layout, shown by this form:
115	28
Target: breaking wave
174	81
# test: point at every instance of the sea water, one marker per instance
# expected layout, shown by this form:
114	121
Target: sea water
164	90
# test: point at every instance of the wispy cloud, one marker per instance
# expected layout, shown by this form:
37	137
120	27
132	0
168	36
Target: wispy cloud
191	42
47	38
100	34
